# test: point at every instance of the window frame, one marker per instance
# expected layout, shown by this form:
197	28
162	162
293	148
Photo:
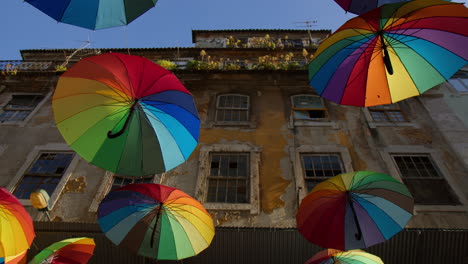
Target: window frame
230	178
248	122
106	184
386	153
390	107
320	178
32	156
299	173
33	112
322	122
201	190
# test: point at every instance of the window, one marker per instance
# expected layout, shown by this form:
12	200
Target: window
316	163
232	108
120	180
45	173
308	107
387	113
320	167
111	181
459	81
229	178
424	180
19	107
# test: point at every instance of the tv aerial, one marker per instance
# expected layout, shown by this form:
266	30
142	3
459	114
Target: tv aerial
307	24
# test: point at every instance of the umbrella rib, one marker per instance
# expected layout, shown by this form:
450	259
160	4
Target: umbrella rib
154	82
153	117
84	110
132	91
162	112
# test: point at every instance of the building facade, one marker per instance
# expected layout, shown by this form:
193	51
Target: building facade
266	137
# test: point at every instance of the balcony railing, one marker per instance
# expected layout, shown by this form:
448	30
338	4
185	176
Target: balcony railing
13	67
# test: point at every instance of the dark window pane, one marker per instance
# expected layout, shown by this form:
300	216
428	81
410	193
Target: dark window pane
432	191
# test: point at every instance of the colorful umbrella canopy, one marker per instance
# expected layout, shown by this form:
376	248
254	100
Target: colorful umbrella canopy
354	210
16	227
391	53
18	259
363	6
333	256
69	251
94	14
156	221
126	114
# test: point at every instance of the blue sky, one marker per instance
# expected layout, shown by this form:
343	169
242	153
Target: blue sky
168	24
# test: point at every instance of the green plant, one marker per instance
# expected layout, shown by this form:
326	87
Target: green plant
166	64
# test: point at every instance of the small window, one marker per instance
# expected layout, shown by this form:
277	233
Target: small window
387	113
424	180
45	173
459	81
120	180
320	167
229	179
19	107
309	107
232	108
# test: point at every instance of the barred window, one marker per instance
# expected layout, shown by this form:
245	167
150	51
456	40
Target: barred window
121	180
308	107
232	108
387	113
320	167
20	106
424	180
45	173
229	179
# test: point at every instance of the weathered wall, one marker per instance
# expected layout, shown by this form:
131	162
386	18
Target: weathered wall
270	113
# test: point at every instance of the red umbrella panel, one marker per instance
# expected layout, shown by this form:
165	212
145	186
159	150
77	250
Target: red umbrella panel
16	227
355	210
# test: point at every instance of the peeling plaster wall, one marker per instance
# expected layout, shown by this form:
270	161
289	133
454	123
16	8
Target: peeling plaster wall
271	130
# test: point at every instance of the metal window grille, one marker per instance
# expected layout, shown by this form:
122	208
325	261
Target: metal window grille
232	108
45	173
424	179
320	167
121	180
19	107
387	113
308	107
229	179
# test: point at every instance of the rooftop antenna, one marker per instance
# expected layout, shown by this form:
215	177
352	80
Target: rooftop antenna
307	24
84	45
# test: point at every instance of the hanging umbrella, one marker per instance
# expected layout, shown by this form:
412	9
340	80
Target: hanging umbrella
354	210
126	114
18	259
16	227
333	256
424	44
363	6
69	251
155	221
95	14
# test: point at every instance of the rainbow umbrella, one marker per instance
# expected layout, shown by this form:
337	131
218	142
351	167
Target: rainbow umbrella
155	221
94	14
363	6
391	53
334	256
354	210
18	259
126	114
16	227
69	251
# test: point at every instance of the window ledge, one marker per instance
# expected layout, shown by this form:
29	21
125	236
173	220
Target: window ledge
248	124
440	208
25	202
232	207
311	123
391	124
